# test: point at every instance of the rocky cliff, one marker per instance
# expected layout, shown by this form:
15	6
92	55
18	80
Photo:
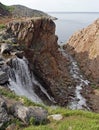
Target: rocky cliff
84	45
37	38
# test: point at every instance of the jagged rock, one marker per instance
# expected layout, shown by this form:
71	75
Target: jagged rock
84	45
6	48
1	61
3	77
37	37
26	113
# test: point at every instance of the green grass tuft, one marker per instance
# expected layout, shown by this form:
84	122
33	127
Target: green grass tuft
2	26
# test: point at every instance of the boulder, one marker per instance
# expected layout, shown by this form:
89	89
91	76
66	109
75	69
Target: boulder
56	117
27	113
3	77
6	48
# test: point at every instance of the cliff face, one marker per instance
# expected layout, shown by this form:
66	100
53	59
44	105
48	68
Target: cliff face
37	37
85	47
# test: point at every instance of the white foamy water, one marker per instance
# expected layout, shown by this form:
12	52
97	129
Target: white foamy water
78	102
22	81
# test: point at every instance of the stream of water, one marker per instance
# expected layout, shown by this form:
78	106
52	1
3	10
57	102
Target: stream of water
23	82
78	102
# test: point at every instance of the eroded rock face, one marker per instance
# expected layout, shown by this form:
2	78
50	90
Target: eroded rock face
37	36
84	45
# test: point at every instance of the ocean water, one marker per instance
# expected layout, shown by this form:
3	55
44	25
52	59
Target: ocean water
68	23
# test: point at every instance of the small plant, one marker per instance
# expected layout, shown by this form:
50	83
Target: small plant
32	121
2	26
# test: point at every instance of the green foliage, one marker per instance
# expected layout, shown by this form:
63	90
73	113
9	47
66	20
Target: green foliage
8	94
94	86
15	121
12	95
8	8
32	121
41	127
2	26
73	120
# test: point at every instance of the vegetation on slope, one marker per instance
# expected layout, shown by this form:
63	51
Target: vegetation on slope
72	119
4	10
21	11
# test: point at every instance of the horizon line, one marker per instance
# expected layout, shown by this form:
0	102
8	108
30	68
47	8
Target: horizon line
71	12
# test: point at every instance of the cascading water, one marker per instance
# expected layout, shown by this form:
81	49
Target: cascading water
22	82
78	102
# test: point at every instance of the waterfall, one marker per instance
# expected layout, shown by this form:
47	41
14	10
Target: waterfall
22	81
78	102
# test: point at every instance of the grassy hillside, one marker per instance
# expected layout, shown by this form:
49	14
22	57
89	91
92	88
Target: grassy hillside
72	119
21	11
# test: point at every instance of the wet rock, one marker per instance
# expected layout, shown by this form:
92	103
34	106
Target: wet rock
19	54
26	113
3	77
1	61
6	48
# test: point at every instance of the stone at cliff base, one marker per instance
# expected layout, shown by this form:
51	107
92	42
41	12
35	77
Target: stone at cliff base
4	118
56	117
3	77
26	113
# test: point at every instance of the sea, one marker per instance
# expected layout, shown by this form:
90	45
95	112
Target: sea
68	23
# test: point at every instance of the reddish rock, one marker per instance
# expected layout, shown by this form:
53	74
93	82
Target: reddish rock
41	48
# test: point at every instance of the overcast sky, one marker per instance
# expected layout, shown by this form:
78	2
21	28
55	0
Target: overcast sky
58	5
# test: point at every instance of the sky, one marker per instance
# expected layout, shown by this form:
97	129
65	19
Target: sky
58	5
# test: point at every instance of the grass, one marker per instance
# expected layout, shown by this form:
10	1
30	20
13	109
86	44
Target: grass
2	26
11	95
72	119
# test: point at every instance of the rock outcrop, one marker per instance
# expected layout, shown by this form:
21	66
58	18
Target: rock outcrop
37	38
84	45
10	110
26	113
4	118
